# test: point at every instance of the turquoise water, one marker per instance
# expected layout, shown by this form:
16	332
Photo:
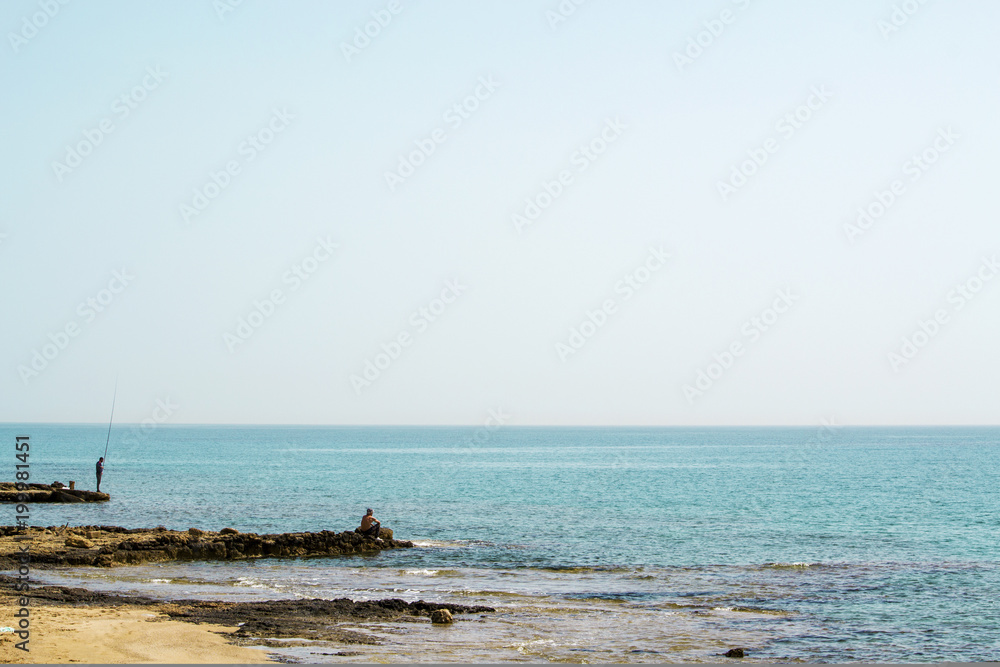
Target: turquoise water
876	544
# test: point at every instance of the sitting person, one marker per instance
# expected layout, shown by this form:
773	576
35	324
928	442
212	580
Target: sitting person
370	525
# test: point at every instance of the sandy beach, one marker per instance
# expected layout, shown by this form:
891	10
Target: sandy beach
62	634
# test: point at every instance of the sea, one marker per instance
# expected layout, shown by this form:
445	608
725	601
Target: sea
596	544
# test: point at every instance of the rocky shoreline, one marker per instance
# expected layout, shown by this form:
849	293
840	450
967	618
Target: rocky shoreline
107	546
259	623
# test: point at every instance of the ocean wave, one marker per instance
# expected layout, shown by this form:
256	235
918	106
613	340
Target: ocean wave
753	610
586	569
439	544
495	594
790	566
433	573
462	544
249	582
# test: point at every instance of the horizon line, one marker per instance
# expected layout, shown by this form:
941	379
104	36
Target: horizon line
480	425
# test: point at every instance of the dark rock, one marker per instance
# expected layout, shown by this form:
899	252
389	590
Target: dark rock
133	546
441	617
46	493
734	653
260	621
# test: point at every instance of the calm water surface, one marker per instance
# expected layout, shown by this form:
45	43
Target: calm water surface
595	544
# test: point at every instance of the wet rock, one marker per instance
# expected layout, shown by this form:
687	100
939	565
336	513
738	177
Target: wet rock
734	653
48	493
441	617
196	531
258	622
144	545
229	531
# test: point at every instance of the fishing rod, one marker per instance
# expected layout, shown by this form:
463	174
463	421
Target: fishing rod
111	421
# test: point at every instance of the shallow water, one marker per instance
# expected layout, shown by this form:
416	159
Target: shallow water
595	545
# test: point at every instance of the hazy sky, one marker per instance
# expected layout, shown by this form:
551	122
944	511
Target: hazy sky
597	213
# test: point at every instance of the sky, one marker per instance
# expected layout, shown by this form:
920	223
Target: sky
731	212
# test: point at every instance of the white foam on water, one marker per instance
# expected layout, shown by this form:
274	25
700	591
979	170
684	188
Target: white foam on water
438	544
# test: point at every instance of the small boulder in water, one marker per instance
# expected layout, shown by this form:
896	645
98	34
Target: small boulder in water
441	617
734	653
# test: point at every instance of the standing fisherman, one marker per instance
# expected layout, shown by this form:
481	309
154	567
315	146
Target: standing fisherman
100	461
100	472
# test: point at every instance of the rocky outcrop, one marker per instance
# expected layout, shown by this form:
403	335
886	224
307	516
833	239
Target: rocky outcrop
257	622
45	493
112	545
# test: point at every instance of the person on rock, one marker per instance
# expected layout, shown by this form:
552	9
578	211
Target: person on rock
100	472
370	525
